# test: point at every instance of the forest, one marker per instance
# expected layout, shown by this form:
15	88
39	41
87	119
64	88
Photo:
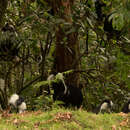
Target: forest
74	53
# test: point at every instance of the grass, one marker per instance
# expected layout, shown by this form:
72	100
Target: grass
61	119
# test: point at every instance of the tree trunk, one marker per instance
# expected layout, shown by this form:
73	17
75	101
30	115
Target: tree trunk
67	52
3	6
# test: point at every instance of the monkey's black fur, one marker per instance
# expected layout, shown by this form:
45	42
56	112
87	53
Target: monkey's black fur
98	7
9	44
73	96
19	101
108	24
111	32
126	108
8	49
109	28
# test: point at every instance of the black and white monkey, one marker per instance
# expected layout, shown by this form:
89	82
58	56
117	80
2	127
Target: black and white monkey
18	103
70	95
126	107
105	106
59	76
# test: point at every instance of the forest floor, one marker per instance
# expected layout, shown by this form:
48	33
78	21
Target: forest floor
61	119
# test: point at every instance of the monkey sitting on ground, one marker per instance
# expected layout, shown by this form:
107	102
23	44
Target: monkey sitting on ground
70	95
18	103
105	106
126	107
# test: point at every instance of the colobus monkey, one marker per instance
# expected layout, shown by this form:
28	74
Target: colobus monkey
72	97
126	107
18	103
59	76
98	6
105	106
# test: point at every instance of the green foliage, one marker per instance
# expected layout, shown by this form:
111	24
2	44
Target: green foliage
43	103
118	21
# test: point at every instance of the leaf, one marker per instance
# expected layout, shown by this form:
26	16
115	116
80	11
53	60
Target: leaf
71	31
118	21
103	57
5	114
63	116
113	127
90	22
41	83
124	122
123	114
36	125
25	127
15	121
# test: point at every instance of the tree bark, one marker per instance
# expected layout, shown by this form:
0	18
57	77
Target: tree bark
3	6
66	53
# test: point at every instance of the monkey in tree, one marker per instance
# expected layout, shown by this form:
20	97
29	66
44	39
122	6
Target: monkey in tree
105	18
9	46
98	6
111	31
126	107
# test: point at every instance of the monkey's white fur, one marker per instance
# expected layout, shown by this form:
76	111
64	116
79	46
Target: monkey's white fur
103	106
22	107
13	99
